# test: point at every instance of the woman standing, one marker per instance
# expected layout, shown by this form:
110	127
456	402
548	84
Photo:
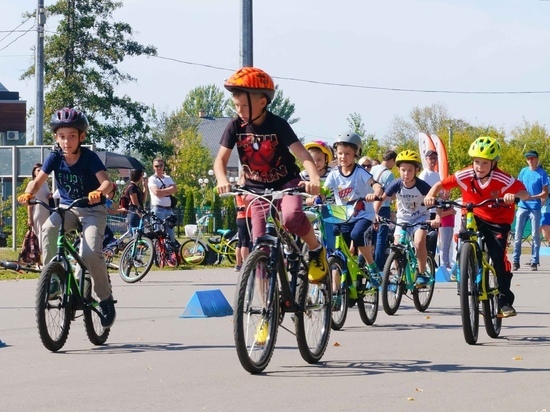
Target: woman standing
37	215
137	195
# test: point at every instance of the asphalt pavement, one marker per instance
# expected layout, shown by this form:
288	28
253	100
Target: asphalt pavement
156	360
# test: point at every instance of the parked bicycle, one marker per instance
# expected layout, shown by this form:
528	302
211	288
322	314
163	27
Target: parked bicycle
202	249
64	290
476	276
400	271
272	282
354	280
150	245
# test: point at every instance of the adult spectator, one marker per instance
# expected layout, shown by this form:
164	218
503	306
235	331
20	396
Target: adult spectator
429	174
535	179
366	163
161	186
382	174
137	196
36	214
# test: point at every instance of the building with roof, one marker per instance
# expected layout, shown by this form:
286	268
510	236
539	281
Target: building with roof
13	120
211	130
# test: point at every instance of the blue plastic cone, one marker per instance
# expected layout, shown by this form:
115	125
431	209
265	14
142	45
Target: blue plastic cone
442	274
207	303
2	344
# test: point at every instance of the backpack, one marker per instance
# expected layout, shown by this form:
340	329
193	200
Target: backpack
124	201
30	252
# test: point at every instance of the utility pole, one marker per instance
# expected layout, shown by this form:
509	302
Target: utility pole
39	71
246	34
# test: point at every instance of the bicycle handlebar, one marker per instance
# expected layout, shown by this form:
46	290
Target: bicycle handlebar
495	202
274	194
75	203
404	225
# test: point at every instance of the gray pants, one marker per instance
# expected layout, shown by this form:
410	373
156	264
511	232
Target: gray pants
94	220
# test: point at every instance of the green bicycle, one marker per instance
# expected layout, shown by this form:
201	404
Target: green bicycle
400	272
64	290
476	276
355	283
201	249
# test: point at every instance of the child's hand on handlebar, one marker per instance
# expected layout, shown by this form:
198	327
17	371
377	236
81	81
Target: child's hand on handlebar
509	198
223	187
430	201
24	198
312	188
94	196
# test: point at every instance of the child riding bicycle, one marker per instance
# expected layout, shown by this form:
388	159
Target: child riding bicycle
79	173
263	141
350	182
484	180
409	192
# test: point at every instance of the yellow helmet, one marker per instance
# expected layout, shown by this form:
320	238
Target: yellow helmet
409	156
323	147
485	147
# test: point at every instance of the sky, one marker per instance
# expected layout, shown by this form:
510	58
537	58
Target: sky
332	59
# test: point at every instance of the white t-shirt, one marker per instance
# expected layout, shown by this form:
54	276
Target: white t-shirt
429	177
161	183
384	176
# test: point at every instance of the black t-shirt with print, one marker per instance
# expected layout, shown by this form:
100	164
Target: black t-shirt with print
263	151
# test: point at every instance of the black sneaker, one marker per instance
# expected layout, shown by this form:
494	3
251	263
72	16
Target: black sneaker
109	313
507	311
515	266
534	267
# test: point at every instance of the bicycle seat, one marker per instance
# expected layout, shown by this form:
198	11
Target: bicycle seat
223	232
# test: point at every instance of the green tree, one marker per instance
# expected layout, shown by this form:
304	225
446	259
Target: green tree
207	100
81	70
371	145
216	210
189	211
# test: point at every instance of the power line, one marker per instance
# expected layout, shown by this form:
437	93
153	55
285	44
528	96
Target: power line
15	30
358	86
17	38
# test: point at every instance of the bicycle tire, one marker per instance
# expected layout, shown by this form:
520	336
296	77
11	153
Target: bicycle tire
53	318
393	284
312	324
422	297
367	304
251	313
97	334
194	252
339	314
231	251
491	306
469	299
136	262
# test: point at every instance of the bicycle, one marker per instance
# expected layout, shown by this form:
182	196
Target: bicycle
64	290
198	249
354	280
476	276
400	271
149	245
272	282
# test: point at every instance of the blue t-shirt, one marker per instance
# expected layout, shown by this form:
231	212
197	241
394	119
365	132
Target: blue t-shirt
74	181
534	180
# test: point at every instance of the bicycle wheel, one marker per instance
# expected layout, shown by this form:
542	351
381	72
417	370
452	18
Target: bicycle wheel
341	295
230	251
469	299
393	284
422	297
491	307
136	260
52	316
255	325
193	252
97	334
367	304
312	325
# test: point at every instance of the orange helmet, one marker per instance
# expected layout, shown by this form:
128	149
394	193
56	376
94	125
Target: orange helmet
252	80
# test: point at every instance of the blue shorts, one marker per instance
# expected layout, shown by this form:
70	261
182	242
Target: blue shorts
545	219
357	231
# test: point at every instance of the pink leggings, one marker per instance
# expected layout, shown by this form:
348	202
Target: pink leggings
294	218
